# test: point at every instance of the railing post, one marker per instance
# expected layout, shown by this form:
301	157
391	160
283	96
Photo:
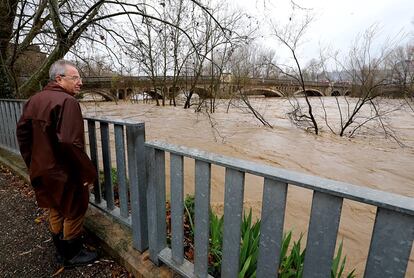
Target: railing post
121	169
15	117
138	184
106	157
9	142
391	244
271	230
94	158
322	234
3	136
156	203
233	210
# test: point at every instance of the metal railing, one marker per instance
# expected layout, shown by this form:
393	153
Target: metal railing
10	111
391	240
128	142
141	198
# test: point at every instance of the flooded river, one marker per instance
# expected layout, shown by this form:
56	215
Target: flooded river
369	159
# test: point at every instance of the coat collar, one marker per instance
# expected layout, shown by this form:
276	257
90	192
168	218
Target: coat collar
54	86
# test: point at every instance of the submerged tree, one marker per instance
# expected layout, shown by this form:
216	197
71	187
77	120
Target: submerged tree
290	35
368	70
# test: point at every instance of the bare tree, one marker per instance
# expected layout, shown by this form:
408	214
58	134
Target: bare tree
401	63
369	71
246	65
57	26
290	35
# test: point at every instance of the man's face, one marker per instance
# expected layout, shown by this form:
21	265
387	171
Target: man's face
70	81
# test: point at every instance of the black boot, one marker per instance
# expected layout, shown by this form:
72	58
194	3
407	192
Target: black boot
59	247
75	254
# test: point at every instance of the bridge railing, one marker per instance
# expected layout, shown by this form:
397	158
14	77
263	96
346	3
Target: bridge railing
391	240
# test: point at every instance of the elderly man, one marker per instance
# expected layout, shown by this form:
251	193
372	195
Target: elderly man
51	139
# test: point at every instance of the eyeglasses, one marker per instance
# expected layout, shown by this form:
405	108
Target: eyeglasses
74	78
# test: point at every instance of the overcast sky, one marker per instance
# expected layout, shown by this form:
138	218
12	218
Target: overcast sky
337	23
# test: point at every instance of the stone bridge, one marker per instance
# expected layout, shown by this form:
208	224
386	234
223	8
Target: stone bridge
111	88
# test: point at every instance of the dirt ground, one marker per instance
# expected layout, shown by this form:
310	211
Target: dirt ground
26	248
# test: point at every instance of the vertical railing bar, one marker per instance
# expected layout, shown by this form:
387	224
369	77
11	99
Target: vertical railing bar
322	234
11	117
177	207
121	169
16	118
151	199
11	137
3	124
156	205
20	104
12	126
137	172
202	217
391	244
271	228
8	126
93	148
233	209
106	157
161	219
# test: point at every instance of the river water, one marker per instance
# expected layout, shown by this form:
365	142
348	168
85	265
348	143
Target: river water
370	159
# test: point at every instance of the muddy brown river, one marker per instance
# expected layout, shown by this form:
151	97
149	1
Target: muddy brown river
370	159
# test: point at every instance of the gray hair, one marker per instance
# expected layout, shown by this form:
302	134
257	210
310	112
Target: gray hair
59	68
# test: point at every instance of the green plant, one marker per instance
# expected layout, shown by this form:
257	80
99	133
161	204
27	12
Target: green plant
216	240
114	177
249	250
291	266
115	185
189	204
338	266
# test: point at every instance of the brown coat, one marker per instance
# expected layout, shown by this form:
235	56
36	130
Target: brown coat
51	139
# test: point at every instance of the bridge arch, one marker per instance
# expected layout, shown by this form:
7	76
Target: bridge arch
335	93
309	93
107	96
121	94
263	91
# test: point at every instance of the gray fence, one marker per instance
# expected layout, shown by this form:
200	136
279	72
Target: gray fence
10	111
141	186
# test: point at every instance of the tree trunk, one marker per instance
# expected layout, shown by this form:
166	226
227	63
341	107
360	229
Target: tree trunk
8	9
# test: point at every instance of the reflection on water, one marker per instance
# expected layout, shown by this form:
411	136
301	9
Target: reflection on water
367	160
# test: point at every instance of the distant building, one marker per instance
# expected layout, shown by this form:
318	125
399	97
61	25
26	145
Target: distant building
28	62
